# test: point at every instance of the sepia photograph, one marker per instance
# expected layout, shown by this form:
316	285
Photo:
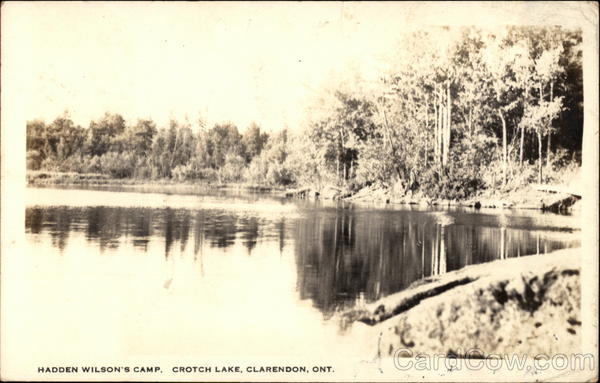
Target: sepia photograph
299	191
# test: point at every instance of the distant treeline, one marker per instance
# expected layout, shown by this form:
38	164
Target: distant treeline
110	146
463	110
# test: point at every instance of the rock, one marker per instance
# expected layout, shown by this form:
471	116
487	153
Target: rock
559	203
530	315
527	305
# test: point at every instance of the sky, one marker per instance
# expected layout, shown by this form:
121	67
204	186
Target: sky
221	62
267	63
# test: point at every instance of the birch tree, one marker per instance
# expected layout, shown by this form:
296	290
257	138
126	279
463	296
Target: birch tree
501	88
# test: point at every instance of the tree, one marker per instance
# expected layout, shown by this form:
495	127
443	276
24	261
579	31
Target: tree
64	139
498	64
341	136
103	133
253	141
537	118
224	138
36	143
141	136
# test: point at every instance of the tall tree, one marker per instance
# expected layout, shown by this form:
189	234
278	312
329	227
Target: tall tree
102	133
253	141
502	84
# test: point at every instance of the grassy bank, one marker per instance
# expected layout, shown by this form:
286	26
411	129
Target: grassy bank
48	178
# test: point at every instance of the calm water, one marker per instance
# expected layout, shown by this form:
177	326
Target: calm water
278	265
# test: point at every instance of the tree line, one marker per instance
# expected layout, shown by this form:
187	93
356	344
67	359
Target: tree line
461	110
142	150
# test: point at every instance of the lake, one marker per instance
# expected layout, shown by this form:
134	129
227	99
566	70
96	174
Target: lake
146	271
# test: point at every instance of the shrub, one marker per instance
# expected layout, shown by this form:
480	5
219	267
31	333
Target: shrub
257	170
279	174
118	165
233	168
34	160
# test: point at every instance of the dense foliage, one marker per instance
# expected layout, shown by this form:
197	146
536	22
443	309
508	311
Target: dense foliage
462	110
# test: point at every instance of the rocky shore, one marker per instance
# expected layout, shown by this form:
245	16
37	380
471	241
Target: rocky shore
529	305
528	198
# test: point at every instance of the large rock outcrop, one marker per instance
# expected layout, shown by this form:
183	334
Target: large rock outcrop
528	305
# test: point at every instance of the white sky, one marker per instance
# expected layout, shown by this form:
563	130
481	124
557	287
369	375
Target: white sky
224	61
234	62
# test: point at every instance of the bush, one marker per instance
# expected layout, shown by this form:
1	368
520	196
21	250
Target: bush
279	174
92	164
456	181
50	164
142	168
233	168
182	173
562	171
257	170
118	165
75	163
34	160
190	172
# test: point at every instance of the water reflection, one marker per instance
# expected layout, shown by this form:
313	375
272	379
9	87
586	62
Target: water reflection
343	254
353	256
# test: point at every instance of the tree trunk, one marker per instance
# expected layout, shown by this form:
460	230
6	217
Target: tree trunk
440	127
521	146
548	153
442	132
504	155
525	100
435	130
548	150
539	136
426	128
337	165
448	117
388	135
443	141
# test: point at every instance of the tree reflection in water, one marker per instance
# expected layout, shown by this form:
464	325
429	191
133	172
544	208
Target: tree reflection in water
342	254
350	256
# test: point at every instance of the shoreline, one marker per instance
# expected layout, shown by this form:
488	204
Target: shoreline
527	198
48	179
527	305
524	199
